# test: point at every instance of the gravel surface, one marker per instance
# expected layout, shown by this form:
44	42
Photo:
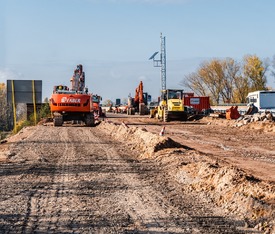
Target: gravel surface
74	179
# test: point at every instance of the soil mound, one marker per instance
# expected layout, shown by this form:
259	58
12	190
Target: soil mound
235	191
138	138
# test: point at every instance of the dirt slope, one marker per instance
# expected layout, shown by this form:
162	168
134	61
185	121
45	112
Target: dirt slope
234	166
112	179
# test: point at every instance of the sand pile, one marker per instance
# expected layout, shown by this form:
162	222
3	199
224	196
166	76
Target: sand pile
237	192
139	139
229	187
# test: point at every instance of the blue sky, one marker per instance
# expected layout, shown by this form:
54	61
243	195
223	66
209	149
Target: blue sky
113	39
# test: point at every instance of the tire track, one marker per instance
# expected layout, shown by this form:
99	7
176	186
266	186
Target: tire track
88	183
45	204
140	202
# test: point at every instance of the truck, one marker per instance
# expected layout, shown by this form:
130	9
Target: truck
72	104
171	106
264	100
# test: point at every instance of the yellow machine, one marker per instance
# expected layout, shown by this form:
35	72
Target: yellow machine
171	106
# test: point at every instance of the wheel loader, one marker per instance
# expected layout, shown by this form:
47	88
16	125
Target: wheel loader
170	106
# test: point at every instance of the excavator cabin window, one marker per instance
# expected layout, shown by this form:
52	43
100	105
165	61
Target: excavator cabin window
61	88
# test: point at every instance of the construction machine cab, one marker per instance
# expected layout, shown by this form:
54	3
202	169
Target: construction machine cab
171	94
171	105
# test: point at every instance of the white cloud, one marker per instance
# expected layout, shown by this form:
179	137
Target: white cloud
8	74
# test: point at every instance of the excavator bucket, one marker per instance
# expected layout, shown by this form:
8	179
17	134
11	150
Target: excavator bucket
232	113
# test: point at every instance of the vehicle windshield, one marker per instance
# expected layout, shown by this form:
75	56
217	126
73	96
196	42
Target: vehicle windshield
174	94
96	98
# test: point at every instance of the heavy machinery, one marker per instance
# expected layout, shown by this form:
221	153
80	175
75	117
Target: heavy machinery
72	104
139	102
96	105
170	106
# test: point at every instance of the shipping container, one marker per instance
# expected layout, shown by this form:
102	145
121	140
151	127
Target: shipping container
199	104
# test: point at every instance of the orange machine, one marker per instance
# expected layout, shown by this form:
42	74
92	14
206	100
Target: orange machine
139	102
232	113
139	94
96	105
72	104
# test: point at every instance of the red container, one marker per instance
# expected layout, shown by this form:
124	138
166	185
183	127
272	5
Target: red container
198	103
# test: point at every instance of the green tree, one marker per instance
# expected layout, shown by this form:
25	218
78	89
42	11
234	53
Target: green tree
44	111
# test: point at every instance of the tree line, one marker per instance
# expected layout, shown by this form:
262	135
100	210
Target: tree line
229	81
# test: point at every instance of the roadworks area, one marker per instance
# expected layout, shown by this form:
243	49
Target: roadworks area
219	184
230	188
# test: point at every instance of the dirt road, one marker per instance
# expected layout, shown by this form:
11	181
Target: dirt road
75	179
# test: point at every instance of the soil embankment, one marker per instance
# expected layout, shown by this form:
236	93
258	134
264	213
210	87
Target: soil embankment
118	179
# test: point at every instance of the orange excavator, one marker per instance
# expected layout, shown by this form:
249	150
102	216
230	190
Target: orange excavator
139	102
74	103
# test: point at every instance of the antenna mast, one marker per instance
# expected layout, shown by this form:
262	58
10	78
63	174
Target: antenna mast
161	62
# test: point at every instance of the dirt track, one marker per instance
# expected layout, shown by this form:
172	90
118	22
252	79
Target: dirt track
110	179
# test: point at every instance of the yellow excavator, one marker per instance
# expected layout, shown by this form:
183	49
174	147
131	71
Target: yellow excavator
171	106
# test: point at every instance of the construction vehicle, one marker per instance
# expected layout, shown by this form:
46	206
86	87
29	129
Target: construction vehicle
170	106
74	104
139	102
96	106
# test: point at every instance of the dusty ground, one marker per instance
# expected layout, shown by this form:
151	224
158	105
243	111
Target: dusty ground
197	178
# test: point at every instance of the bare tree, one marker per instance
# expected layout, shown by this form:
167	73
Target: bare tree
241	89
212	75
194	82
227	80
231	73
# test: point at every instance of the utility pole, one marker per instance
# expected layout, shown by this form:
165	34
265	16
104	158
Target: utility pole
161	62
